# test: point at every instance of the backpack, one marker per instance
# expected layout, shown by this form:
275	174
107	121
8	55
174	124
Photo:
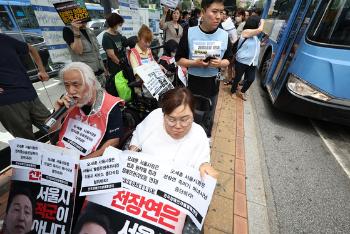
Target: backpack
236	46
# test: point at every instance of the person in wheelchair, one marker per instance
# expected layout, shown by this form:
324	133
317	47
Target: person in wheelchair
169	133
141	54
94	119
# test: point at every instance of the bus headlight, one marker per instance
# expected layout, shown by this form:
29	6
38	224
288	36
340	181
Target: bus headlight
303	89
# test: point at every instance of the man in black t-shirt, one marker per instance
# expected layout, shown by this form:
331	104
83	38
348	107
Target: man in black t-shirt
205	49
20	106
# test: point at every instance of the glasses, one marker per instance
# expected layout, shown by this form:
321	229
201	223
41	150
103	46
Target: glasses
184	122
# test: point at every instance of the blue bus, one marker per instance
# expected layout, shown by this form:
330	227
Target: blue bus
305	64
18	15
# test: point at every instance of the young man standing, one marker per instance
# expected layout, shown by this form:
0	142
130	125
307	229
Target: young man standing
201	42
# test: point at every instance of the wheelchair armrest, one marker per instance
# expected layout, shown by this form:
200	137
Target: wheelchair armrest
202	103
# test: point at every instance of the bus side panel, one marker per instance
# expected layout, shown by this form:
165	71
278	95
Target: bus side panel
327	69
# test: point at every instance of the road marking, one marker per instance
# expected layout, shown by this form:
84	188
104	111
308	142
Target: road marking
48	86
343	159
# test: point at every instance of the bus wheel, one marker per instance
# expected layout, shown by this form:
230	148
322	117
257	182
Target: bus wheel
264	69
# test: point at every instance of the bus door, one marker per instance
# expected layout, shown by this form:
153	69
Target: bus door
286	38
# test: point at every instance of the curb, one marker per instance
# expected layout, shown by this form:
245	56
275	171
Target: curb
258	221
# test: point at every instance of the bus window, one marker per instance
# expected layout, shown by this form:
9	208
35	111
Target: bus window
5	21
25	17
332	24
281	9
96	14
277	18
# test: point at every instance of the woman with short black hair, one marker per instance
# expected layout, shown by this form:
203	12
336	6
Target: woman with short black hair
114	44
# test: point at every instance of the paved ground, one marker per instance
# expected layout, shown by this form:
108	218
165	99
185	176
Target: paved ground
238	205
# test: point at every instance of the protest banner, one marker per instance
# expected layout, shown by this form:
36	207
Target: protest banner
71	10
101	174
129	212
25	153
134	4
132	19
51	207
172	4
180	185
154	79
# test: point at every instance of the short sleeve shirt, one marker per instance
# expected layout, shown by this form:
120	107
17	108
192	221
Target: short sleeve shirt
15	85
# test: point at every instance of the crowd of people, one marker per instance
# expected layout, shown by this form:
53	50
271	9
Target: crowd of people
171	127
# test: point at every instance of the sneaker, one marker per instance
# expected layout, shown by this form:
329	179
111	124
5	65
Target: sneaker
241	95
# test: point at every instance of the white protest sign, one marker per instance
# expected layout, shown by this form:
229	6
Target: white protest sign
101	174
203	49
139	172
154	79
170	3
181	75
58	167
81	136
184	187
25	153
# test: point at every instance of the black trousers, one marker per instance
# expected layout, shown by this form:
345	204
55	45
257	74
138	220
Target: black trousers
249	76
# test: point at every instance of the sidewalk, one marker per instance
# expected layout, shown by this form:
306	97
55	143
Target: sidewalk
238	205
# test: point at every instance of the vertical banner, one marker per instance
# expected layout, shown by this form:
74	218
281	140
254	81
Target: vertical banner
51	207
132	19
51	26
154	17
46	190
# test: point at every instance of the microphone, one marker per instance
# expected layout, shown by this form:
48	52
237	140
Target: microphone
56	115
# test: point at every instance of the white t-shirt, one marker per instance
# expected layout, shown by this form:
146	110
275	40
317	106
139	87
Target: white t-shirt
151	137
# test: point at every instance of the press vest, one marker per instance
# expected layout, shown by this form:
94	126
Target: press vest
91	54
197	38
99	120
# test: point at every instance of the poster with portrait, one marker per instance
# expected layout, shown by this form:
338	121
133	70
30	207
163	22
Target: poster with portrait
126	212
50	208
47	192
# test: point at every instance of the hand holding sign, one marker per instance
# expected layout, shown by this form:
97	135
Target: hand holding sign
207	169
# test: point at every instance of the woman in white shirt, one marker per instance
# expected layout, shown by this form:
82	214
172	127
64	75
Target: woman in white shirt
170	133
